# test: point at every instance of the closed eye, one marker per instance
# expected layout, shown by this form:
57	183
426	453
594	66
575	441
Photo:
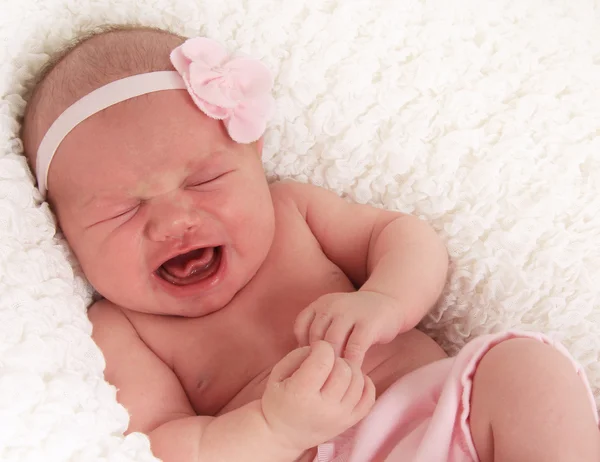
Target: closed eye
122	216
208	180
130	210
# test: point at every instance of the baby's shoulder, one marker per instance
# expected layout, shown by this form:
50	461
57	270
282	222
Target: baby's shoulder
105	317
104	311
115	334
286	189
293	193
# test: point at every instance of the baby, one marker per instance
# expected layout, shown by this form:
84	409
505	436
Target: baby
247	321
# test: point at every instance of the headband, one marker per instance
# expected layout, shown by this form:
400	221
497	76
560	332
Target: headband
234	89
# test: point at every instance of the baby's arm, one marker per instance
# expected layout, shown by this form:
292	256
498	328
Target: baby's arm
310	398
383	252
159	407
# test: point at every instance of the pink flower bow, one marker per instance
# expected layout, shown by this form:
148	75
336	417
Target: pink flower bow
236	90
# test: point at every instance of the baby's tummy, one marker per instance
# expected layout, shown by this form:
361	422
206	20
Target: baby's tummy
383	363
387	363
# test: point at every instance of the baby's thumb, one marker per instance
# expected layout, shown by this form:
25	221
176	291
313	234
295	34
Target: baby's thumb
302	325
289	364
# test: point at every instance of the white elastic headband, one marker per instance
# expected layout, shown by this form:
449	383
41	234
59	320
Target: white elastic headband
99	99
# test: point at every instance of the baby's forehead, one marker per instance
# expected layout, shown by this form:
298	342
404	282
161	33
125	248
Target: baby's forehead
89	64
147	136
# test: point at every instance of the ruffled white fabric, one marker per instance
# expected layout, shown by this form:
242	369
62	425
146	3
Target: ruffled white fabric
480	116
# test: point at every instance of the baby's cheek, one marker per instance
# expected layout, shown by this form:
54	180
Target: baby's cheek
108	263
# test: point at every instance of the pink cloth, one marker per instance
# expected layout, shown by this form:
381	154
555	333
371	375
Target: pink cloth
423	417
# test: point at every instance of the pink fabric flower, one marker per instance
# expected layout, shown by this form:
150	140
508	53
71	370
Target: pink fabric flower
236	90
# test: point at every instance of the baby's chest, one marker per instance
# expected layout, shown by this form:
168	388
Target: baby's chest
223	359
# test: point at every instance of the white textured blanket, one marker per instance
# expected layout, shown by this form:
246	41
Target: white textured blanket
482	117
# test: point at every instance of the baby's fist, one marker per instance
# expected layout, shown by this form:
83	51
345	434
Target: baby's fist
312	396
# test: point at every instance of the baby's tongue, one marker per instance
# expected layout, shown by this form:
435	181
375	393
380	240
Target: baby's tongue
191	263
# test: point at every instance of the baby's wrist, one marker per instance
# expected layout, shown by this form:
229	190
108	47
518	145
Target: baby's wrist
279	438
394	307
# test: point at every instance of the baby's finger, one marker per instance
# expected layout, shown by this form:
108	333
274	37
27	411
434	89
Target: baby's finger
338	333
319	326
315	369
289	364
367	399
355	387
358	343
302	325
339	380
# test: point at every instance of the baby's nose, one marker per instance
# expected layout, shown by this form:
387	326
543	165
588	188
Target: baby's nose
171	220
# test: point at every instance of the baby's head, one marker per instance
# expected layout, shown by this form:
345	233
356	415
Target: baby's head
165	212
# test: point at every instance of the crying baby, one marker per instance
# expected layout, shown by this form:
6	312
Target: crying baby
248	321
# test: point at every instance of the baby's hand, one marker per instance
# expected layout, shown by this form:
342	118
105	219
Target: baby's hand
312	396
351	322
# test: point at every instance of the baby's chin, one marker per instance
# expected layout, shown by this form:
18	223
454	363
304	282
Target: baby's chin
190	308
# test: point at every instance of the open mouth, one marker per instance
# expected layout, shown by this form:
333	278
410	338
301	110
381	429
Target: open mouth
191	267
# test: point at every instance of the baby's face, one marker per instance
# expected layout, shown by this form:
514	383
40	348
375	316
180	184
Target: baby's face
165	213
